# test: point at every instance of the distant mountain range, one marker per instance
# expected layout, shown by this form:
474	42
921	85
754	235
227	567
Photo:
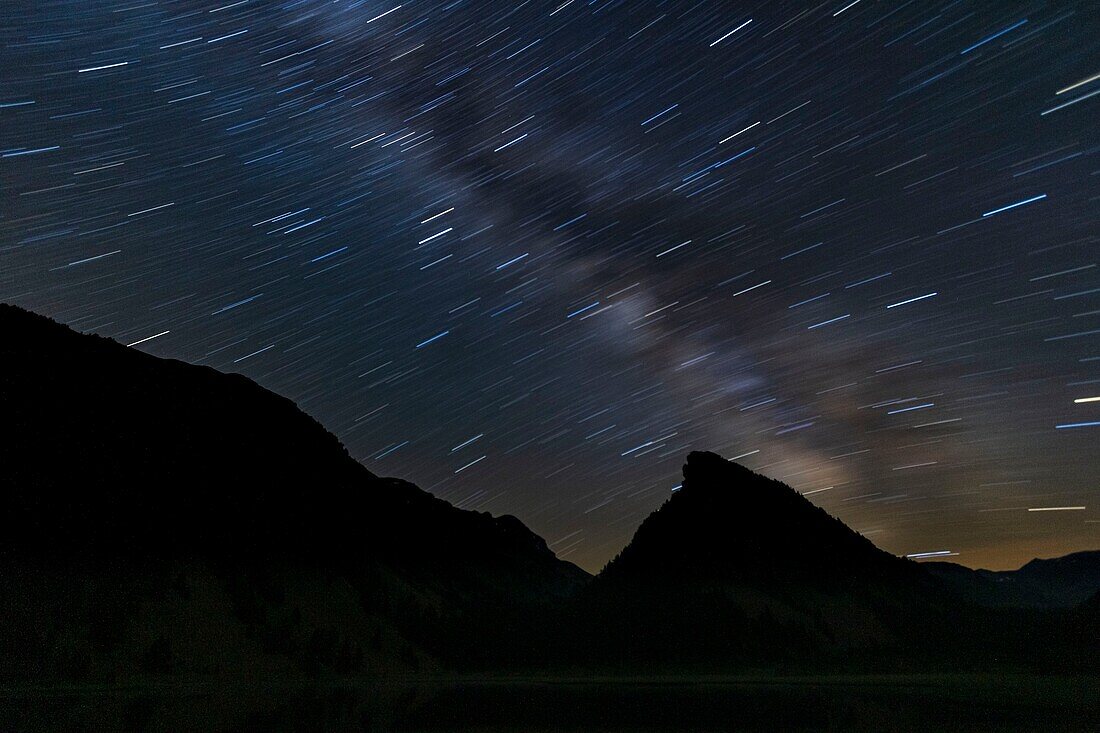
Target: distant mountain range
1060	582
159	518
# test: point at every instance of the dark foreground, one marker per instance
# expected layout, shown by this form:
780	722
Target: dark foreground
879	703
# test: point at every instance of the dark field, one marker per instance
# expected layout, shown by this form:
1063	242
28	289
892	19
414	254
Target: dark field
878	703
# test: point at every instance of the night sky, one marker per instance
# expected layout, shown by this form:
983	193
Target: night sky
530	254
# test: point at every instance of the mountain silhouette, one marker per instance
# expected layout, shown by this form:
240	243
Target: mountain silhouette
738	567
137	493
1059	582
728	523
161	518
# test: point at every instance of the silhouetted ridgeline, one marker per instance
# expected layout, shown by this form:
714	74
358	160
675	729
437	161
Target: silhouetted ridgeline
162	514
1061	582
739	569
737	566
166	519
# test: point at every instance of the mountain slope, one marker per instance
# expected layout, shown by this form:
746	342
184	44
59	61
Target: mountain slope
158	518
135	490
735	567
730	523
1059	582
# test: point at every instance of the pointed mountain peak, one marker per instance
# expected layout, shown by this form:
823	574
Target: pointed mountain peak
701	464
738	566
704	471
728	522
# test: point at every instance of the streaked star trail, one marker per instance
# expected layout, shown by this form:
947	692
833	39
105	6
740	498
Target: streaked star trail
854	244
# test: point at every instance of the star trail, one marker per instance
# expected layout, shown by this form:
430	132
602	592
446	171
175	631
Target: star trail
529	254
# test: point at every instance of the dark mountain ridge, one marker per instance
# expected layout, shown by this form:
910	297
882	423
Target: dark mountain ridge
730	523
737	570
127	469
163	518
107	434
1059	582
736	566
